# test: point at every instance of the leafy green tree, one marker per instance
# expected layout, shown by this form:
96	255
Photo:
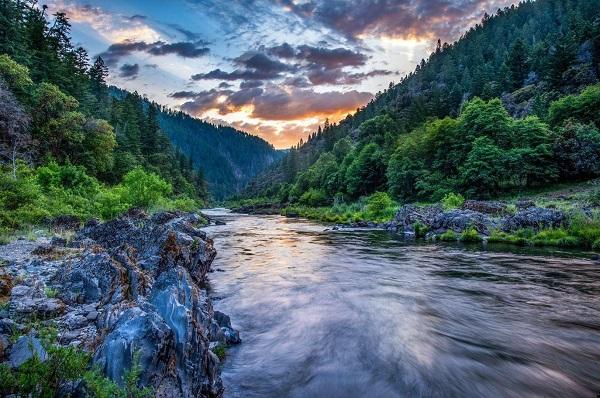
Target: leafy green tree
483	171
366	173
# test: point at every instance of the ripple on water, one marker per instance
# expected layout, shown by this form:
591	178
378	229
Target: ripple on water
364	314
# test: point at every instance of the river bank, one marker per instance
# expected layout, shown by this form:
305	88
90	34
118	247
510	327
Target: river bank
124	299
565	216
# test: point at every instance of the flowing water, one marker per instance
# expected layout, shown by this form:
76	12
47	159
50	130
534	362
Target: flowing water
364	314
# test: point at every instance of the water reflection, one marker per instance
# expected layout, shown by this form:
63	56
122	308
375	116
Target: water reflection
363	314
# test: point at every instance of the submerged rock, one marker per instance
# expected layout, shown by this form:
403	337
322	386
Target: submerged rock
132	285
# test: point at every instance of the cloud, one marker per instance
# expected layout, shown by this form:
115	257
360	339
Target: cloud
116	51
129	71
184	94
321	76
274	103
251	84
430	19
238	74
278	104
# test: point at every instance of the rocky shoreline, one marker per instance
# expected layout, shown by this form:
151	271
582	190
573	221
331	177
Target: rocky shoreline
483	216
129	287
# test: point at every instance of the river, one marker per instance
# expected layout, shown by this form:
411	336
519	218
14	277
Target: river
365	314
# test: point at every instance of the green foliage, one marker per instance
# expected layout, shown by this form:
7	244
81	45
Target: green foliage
366	172
449	236
583	107
470	235
313	197
452	201
142	189
420	229
16	76
380	206
37	378
220	350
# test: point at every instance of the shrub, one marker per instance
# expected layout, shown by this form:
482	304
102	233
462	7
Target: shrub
420	229
314	197
144	189
596	245
452	201
470	235
449	236
220	351
379	206
504	237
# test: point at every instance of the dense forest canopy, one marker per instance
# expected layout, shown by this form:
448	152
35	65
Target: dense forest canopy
509	106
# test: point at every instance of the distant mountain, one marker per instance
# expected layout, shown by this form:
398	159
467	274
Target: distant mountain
229	158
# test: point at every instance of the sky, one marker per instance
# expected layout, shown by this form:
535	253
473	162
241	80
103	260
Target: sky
274	68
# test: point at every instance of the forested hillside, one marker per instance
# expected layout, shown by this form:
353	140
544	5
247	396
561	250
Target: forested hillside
511	105
67	146
228	158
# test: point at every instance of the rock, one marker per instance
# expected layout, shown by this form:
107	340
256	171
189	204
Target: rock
494	208
4	345
219	222
28	302
524	204
25	348
6	284
135	284
57	241
459	220
65	223
533	217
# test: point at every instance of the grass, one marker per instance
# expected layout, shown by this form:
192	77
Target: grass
470	235
220	350
50	293
420	229
449	236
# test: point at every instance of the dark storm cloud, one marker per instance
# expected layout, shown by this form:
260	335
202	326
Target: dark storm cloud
338	76
238	74
116	51
184	94
446	19
251	84
261	62
129	71
300	82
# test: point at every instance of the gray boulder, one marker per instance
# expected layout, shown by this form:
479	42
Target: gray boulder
533	217
25	348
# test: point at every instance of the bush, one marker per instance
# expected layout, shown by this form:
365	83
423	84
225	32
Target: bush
596	245
420	229
380	206
144	189
314	197
449	236
470	235
452	201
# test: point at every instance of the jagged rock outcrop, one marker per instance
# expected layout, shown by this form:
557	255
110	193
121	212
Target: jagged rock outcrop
489	216
132	285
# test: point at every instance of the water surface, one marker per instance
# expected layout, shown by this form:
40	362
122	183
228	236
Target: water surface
364	314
